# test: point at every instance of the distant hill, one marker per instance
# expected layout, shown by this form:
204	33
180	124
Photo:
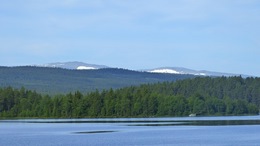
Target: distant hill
51	80
73	65
181	70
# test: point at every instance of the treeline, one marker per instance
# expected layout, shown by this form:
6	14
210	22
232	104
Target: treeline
203	96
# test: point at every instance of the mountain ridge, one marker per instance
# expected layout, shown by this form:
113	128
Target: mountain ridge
73	65
170	70
182	70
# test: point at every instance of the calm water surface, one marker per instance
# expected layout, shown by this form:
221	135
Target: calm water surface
244	130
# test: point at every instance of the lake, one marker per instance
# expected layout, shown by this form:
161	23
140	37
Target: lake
183	131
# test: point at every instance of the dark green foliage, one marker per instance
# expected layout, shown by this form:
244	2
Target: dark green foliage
56	80
203	96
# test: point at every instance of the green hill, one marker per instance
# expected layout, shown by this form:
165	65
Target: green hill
57	80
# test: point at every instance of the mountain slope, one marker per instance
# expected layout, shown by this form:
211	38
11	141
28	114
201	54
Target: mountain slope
181	70
73	65
57	80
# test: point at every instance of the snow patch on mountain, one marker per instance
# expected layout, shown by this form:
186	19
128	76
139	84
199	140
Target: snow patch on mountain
85	68
180	70
170	71
202	74
175	70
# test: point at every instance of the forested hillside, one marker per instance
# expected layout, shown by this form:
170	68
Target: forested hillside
203	96
56	80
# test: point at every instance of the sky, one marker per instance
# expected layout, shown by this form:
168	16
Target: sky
214	35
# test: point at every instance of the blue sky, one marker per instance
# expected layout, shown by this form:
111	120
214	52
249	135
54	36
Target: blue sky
216	35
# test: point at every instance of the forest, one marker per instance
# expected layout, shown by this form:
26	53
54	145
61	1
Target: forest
204	96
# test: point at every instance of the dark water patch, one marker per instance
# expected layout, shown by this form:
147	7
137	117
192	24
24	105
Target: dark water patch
93	132
159	123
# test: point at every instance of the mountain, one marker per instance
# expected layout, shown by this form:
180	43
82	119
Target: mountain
181	70
53	80
73	65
